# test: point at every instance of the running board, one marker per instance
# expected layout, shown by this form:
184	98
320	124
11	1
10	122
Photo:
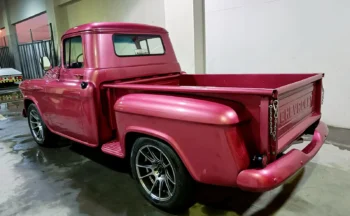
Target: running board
113	148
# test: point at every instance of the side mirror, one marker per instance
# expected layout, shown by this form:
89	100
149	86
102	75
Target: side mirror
45	63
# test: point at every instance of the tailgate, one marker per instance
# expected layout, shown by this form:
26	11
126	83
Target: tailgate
298	110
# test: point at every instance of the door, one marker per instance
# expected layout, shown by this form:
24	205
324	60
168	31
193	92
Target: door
64	93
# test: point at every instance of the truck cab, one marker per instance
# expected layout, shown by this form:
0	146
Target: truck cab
91	55
120	88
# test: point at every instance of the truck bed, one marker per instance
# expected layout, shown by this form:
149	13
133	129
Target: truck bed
262	84
298	97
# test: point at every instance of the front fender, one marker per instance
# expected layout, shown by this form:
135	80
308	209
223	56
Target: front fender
27	87
30	99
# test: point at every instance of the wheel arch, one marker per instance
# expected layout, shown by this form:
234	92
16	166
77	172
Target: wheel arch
27	102
30	100
133	133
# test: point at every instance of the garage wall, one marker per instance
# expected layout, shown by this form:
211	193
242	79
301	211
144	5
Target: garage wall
38	24
283	36
140	11
179	23
24	9
164	13
3	39
180	18
2	24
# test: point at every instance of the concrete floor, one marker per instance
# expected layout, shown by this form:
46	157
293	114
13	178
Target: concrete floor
75	180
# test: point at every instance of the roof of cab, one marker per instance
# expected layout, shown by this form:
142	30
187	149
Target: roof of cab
115	26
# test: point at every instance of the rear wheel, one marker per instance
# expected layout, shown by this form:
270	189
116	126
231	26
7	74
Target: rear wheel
41	134
161	176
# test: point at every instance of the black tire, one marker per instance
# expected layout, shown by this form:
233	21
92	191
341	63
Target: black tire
183	192
48	138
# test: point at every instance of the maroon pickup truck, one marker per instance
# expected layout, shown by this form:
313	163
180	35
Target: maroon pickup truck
119	88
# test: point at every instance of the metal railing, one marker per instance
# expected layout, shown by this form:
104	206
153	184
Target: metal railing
31	52
30	55
6	58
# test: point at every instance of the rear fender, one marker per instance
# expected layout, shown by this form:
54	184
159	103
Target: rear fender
165	117
182	108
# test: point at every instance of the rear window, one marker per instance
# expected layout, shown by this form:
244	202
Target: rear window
138	45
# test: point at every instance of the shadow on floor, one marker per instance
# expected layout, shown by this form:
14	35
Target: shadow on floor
215	200
221	200
105	187
96	155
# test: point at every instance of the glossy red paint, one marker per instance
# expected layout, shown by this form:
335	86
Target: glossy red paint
181	108
113	148
277	172
215	123
194	142
169	109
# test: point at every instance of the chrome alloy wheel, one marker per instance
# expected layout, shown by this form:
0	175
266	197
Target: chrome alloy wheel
36	125
155	173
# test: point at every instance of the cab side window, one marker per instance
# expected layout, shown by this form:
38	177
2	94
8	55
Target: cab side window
73	52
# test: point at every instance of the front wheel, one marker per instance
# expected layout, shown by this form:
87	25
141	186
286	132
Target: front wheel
41	134
161	176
